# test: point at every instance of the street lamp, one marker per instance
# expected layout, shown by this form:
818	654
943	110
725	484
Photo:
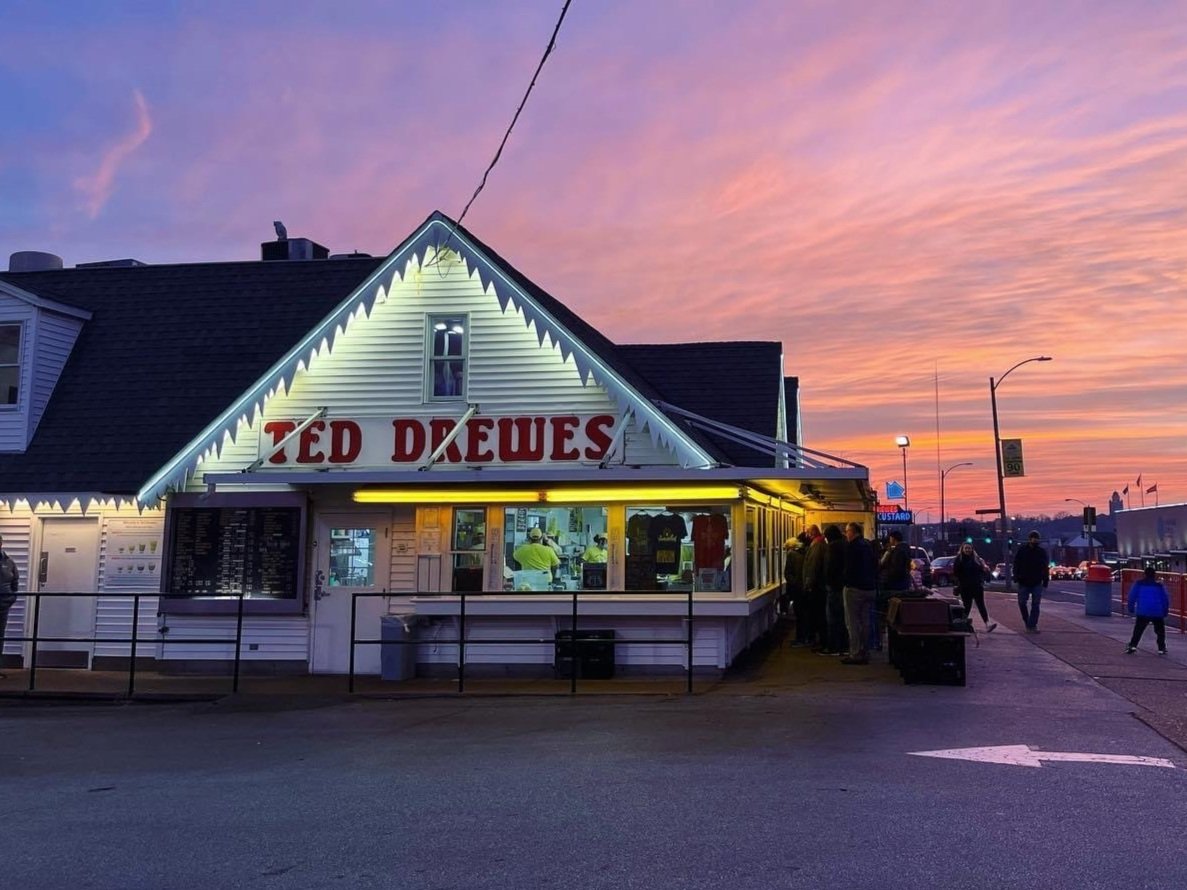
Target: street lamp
943	516
1088	536
997	453
904	442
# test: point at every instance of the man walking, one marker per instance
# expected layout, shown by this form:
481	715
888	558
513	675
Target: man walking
1032	573
860	590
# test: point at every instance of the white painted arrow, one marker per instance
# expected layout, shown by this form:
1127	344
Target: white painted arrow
1024	755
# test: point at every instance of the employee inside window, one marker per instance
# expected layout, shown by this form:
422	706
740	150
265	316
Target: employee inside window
596	552
534	554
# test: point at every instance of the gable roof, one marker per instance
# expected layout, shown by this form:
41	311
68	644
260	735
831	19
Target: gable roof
173	354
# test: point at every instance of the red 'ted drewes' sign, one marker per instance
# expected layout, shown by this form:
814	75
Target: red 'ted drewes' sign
377	442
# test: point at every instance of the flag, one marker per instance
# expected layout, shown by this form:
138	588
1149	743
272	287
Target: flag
1139	482
1153	488
1125	490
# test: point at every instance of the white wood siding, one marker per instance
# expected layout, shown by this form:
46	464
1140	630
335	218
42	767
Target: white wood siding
377	370
538	634
114	609
56	335
14	419
16	526
403	557
265	638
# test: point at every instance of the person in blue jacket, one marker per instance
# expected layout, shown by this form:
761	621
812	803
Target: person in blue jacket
1148	600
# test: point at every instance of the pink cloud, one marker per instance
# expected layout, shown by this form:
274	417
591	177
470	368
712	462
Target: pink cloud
97	188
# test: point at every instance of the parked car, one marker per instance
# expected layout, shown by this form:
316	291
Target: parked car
941	571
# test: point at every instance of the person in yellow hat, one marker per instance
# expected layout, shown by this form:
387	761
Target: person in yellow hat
535	554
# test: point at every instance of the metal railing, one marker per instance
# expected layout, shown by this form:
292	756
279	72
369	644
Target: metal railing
1175	584
133	640
575	641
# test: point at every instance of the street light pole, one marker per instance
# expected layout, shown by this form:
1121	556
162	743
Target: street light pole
943	516
997	453
904	442
1088	536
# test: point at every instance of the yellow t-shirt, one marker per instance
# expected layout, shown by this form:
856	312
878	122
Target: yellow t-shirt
594	553
533	555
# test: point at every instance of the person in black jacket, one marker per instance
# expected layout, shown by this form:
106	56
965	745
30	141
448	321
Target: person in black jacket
792	601
969	572
834	581
861	588
894	568
1032	573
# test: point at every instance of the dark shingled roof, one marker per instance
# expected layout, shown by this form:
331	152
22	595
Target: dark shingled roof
171	347
168	349
732	382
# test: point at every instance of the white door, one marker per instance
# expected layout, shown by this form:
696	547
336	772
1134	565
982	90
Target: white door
68	563
353	555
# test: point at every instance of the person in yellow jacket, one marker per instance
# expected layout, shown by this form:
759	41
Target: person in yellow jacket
596	552
534	554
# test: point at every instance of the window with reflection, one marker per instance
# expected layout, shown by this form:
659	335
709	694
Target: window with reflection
468	548
447	356
10	364
352	557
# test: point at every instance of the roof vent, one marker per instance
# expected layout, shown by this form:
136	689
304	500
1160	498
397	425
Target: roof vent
286	248
33	261
110	264
353	255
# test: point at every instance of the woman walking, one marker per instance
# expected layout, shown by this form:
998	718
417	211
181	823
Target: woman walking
970	570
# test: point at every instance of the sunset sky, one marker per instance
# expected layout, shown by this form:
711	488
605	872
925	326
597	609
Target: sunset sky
900	192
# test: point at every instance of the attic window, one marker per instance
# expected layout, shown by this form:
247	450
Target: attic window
10	363
447	356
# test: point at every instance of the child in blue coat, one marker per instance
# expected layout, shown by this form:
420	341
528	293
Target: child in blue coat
1149	601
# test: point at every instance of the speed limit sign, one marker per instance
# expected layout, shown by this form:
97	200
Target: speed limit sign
1012	457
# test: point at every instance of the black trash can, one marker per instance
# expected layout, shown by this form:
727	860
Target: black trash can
594	654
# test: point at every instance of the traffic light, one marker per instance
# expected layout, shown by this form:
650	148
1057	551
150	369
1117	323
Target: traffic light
989	540
968	540
1089	517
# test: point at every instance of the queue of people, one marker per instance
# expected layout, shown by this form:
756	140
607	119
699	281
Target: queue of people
837	585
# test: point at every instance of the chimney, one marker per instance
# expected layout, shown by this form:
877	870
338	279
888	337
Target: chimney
286	248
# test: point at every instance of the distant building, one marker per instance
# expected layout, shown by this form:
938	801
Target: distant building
1154	535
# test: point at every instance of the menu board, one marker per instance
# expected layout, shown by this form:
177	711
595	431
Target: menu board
221	552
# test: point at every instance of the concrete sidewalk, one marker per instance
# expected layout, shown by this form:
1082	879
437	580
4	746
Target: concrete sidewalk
1155	684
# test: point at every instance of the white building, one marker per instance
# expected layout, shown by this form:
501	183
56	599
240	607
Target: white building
296	431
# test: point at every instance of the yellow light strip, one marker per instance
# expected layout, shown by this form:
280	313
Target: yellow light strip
637	494
458	495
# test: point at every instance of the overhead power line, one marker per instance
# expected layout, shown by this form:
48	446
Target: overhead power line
522	102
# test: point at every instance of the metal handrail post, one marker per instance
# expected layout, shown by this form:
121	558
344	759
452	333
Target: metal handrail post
461	646
354	605
238	643
132	660
575	660
33	653
688	622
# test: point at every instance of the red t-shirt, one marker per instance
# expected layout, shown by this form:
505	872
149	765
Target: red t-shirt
709	531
